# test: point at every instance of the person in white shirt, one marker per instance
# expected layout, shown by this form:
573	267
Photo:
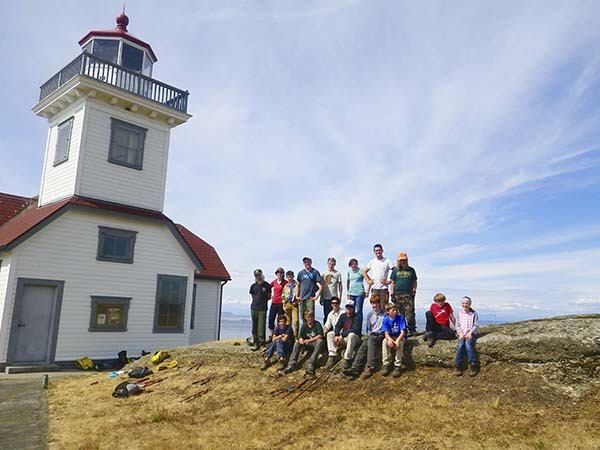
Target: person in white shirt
377	275
328	329
332	286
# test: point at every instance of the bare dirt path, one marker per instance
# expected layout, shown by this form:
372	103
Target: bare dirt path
23	413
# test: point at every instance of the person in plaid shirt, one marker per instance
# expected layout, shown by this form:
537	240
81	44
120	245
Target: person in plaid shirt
467	326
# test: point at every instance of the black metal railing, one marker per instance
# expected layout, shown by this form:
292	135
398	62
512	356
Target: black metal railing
90	66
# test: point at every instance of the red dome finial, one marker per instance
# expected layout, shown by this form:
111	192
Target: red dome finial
122	20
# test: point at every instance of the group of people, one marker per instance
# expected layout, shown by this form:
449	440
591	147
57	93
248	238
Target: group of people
391	290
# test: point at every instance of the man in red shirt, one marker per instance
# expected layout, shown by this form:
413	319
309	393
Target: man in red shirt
438	317
276	309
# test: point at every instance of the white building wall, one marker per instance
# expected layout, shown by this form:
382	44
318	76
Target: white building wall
5	306
206	320
59	181
103	180
66	250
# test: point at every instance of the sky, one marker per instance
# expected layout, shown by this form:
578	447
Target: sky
463	133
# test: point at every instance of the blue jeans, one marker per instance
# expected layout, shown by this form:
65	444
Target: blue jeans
358	306
466	347
278	347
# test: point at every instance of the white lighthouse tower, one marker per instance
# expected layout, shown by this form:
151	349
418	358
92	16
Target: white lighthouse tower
109	123
92	266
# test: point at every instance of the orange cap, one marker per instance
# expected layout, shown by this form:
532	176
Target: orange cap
402	256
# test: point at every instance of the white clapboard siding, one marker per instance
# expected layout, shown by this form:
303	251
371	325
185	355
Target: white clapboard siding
5	311
59	181
66	250
106	181
206	320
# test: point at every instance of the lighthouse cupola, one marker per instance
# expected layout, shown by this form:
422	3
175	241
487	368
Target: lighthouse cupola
118	46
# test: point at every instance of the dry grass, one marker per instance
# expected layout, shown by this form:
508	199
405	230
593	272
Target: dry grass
429	408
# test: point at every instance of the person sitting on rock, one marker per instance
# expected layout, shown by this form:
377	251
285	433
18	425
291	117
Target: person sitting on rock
347	334
281	344
392	347
329	326
370	348
467	326
311	339
438	318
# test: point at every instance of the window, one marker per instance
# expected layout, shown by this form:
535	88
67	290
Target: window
132	58
126	144
109	313
88	47
63	141
106	49
170	304
116	245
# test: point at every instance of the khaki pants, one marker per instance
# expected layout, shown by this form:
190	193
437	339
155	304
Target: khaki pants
382	295
291	315
392	353
351	342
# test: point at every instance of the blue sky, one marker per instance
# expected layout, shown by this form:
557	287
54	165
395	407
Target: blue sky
464	133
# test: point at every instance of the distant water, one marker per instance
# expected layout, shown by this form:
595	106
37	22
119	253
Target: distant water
235	326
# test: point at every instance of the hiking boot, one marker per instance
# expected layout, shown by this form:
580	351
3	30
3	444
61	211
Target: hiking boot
347	363
431	341
255	347
290	368
387	370
331	362
266	364
310	368
473	370
369	371
426	335
397	372
457	371
350	372
282	363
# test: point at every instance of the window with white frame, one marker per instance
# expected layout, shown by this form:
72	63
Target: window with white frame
126	144
63	141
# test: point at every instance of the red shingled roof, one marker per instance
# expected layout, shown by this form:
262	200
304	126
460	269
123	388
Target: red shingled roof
22	217
11	205
213	266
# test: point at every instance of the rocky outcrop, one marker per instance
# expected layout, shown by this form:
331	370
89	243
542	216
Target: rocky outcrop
541	341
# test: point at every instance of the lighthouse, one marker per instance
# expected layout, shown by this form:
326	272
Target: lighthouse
106	99
91	266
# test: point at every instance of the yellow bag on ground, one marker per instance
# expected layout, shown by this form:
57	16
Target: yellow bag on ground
168	365
85	363
159	356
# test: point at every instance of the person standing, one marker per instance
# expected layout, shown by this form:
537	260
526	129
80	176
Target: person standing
355	286
276	308
376	273
332	286
310	286
290	302
403	289
467	327
260	291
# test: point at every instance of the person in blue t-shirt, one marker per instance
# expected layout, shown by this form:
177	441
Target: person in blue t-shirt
394	330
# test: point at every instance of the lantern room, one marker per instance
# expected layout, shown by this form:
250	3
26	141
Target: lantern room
119	47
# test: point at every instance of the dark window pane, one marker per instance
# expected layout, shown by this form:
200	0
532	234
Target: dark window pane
132	58
116	245
170	302
106	49
127	144
87	47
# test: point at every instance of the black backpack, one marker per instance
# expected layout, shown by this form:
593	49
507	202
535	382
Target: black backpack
139	372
